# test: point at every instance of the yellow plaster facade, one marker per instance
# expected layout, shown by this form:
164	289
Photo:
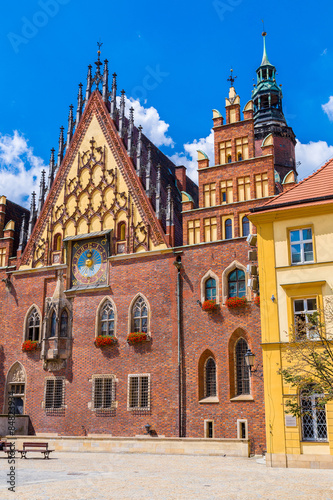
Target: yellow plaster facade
281	282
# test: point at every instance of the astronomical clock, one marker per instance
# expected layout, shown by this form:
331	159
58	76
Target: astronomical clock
89	263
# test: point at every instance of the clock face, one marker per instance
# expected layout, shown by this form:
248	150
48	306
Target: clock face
89	263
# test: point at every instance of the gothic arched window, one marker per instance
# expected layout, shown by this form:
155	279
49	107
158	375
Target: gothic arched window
236	283
210	289
210	378
228	229
245	226
122	231
242	370
140	316
64	324
107	319
33	326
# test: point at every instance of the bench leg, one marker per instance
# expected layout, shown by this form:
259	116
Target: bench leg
46	454
23	454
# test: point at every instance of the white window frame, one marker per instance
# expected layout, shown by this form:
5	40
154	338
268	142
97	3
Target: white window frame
301	242
306	312
315	439
96	377
139	377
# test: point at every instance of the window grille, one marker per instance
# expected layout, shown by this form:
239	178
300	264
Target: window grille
236	283
107	319
140	316
33	326
314	427
54	393
242	370
210	378
64	324
305	316
139	392
210	289
103	392
301	246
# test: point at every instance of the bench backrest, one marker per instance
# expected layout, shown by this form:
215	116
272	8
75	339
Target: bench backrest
35	445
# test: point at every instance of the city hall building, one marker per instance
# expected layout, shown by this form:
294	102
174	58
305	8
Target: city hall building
129	295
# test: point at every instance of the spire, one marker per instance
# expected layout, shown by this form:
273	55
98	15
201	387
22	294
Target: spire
113	109
130	132
32	213
106	82
70	126
158	193
51	170
42	187
265	61
88	89
138	152
122	114
22	235
148	171
98	76
61	147
79	105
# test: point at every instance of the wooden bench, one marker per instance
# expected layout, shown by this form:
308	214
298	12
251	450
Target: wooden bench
41	447
6	447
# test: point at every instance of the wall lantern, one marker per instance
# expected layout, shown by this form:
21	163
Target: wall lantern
249	360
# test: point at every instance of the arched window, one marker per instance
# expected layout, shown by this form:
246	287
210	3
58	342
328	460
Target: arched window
57	242
140	316
210	289
245	226
107	319
53	329
228	229
64	324
242	370
33	326
122	231
16	389
240	157
236	283
229	158
210	378
314	426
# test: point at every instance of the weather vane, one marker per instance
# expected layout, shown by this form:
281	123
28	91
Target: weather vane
263	28
231	78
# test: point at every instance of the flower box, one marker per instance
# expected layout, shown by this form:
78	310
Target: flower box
137	337
256	300
209	305
29	345
236	302
103	340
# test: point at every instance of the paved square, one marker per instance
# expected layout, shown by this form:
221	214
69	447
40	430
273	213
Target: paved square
106	476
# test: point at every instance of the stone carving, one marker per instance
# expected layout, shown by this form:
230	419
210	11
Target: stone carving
17	376
54	365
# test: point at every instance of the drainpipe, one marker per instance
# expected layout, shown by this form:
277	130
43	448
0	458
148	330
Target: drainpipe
178	265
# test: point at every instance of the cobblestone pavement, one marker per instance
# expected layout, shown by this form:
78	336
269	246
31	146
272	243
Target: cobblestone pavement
110	476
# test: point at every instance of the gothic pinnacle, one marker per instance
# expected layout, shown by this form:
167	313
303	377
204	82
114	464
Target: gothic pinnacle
70	126
148	171
122	114
61	147
130	132
88	89
113	108
106	82
51	170
138	152
79	105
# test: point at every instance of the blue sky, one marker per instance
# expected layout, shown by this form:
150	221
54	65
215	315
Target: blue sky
174	56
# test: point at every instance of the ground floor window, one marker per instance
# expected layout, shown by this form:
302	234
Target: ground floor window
139	392
314	426
103	392
54	393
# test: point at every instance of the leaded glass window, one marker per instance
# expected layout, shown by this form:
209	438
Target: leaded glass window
140	316
53	324
210	289
236	283
64	324
33	326
314	426
107	319
210	378
242	370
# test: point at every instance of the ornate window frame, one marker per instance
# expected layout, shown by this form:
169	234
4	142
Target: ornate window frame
205	378
114	403
209	274
202	363
225	289
99	309
17	366
25	322
130	313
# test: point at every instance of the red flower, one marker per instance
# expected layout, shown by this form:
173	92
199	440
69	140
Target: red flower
136	337
103	340
257	300
209	305
236	302
29	345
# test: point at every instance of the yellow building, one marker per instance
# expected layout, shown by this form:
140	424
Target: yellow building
295	254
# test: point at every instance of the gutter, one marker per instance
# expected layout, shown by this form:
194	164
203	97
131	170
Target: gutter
264	208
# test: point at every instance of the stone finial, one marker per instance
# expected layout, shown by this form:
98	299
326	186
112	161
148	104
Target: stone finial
148	172
113	108
130	133
32	217
42	189
158	193
70	126
122	114
89	82
51	170
61	147
79	105
168	208
139	151
22	241
105	82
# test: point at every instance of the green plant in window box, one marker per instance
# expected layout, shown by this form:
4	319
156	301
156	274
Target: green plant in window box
104	340
29	345
137	337
236	302
210	305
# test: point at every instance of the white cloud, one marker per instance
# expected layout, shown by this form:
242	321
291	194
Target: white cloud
19	169
312	156
189	156
328	108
